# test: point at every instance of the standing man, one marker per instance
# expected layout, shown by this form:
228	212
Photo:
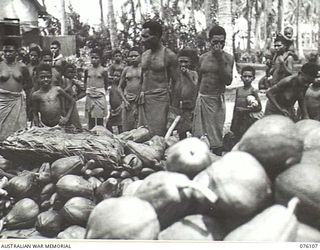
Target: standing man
129	89
14	79
159	66
215	74
57	57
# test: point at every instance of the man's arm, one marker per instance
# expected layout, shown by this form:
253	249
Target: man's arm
35	110
173	68
225	63
105	78
26	78
303	107
122	85
287	65
63	94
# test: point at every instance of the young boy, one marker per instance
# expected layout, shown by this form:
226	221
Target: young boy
312	99
247	102
115	99
48	101
185	93
73	88
96	83
283	96
129	89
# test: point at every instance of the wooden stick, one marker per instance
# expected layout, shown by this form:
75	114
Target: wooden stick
172	127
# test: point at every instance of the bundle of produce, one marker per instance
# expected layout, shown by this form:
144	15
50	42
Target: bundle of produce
276	223
275	142
241	184
140	134
302	181
38	145
194	227
174	196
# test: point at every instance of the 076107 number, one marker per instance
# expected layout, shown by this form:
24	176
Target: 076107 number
308	245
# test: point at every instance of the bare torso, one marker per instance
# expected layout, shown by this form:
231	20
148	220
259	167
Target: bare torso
132	76
154	66
96	77
12	76
50	105
212	82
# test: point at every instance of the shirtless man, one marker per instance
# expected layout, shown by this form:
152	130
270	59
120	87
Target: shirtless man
215	74
312	99
57	57
159	66
129	88
14	79
283	95
48	101
96	83
282	61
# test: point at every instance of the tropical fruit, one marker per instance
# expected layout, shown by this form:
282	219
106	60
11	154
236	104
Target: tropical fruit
22	215
312	140
307	234
67	165
74	186
174	196
49	223
189	156
72	232
240	182
77	210
305	126
311	157
123	218
274	224
194	227
22	186
301	180
275	142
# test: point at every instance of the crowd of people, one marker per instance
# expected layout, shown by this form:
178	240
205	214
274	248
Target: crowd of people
148	88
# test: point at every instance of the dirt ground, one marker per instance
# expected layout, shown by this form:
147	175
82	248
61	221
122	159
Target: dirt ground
229	97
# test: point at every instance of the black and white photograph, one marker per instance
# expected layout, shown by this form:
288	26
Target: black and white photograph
159	121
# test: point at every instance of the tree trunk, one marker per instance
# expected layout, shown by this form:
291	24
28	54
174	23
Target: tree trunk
112	25
64	30
133	12
280	15
44	4
257	26
268	25
161	10
101	15
249	19
192	15
225	20
318	27
299	42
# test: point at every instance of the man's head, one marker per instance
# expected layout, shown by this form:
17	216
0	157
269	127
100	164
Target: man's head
134	56
117	55
248	74
288	32
69	70
44	75
95	57
184	59
151	34
46	57
34	55
313	57
280	44
55	48
308	73
10	49
217	37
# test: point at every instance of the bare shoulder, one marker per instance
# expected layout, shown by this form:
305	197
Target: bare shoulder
170	54
35	95
229	57
205	55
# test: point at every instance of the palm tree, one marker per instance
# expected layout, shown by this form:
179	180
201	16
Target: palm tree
280	15
101	14
225	20
112	25
64	29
